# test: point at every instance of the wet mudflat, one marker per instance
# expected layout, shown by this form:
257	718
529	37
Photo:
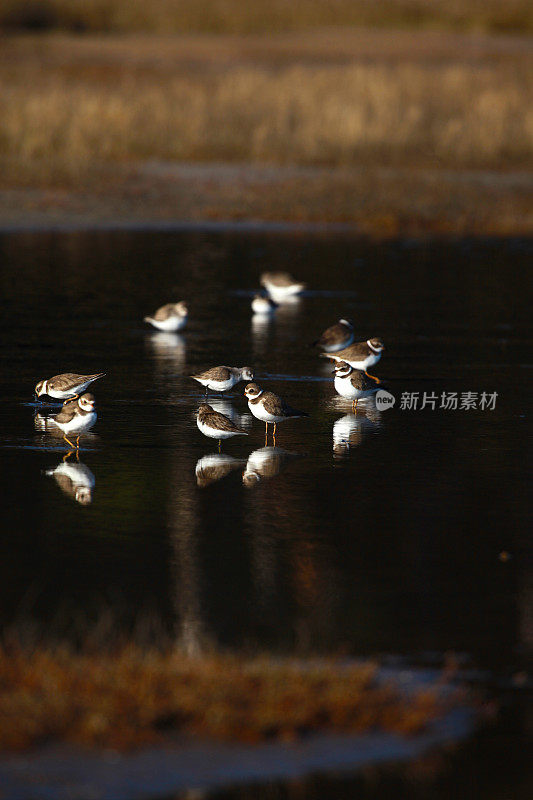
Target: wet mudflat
397	532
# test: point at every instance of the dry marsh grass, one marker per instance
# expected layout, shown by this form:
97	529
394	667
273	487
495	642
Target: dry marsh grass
236	16
67	108
132	697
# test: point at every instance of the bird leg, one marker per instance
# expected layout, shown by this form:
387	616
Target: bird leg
78	442
68	440
372	376
219	444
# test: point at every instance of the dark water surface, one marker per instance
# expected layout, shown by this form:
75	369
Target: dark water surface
399	532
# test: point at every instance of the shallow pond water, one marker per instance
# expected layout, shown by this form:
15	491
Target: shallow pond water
396	532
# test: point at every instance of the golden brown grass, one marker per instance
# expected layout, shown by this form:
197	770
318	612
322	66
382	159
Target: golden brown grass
68	106
132	697
236	16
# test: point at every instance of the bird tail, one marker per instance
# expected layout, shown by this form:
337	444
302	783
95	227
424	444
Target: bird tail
98	375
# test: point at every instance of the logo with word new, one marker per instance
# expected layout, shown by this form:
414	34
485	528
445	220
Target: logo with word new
384	400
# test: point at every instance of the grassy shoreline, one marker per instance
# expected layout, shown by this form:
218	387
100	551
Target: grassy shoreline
132	697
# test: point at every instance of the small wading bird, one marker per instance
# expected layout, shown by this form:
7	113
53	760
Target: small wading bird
216	425
67	386
268	407
220	379
263	306
170	317
281	285
337	337
360	356
352	383
76	417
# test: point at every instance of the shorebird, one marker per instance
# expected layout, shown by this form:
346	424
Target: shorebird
170	317
337	337
263	305
281	285
352	383
220	379
216	425
360	356
268	407
76	417
69	385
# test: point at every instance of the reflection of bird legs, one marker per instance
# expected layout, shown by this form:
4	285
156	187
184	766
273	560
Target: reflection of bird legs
354	405
70	399
372	376
68	455
274	435
219	444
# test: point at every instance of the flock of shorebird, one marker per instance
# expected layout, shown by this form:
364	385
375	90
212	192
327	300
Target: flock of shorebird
352	380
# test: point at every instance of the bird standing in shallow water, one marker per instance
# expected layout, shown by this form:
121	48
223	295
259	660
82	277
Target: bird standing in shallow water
269	407
360	356
221	379
281	285
353	384
76	417
67	386
337	337
215	425
170	317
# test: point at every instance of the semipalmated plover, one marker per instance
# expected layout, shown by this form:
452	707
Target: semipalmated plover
281	285
69	385
170	317
76	417
268	407
361	355
353	384
263	305
337	337
220	379
214	467
216	425
74	479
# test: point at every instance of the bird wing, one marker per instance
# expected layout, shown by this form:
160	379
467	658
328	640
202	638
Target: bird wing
353	351
215	374
278	278
164	312
223	423
67	413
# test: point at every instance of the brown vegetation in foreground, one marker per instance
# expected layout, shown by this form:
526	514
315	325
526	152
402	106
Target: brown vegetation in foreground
236	16
68	105
132	698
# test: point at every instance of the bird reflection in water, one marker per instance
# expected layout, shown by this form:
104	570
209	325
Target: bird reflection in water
350	431
168	351
226	408
267	462
215	466
74	478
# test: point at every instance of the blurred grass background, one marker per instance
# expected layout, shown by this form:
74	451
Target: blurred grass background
260	16
90	89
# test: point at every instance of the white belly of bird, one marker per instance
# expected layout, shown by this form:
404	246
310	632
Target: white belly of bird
78	423
62	395
345	388
169	324
369	361
79	474
218	386
259	412
215	433
332	348
280	293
